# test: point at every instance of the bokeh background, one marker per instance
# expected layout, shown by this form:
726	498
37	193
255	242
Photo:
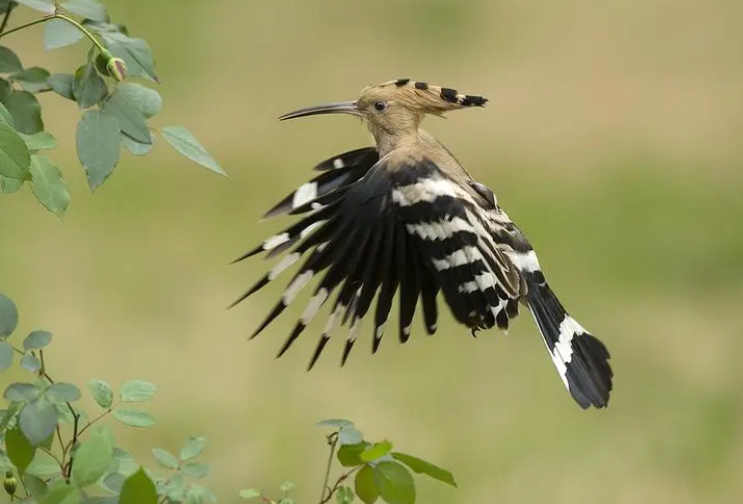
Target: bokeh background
614	137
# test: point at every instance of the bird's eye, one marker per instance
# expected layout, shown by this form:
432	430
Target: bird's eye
380	106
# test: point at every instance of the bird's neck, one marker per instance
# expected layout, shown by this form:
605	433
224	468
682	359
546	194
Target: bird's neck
388	142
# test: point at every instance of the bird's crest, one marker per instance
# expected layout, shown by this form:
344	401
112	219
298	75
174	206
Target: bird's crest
424	96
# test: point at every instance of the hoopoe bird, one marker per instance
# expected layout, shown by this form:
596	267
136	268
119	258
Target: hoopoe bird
406	216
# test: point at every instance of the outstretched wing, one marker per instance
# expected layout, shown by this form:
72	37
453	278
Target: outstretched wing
395	226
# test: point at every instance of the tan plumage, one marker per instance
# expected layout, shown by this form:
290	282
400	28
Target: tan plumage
405	217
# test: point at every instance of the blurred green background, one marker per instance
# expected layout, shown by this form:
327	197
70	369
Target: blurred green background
614	137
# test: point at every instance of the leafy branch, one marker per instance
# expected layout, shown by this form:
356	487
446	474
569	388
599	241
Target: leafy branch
379	472
115	111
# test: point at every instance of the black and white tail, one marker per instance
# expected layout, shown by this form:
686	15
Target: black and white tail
581	359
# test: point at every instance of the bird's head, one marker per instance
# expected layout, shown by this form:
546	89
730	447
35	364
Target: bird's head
397	106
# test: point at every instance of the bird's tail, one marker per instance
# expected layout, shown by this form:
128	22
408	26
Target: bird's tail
581	358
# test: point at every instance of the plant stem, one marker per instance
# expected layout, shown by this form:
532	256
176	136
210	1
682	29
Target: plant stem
333	442
343	477
96	419
27	25
75	416
6	18
105	52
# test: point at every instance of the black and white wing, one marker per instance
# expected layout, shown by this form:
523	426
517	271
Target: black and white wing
385	229
404	226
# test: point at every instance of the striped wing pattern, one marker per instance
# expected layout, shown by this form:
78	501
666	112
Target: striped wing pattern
373	230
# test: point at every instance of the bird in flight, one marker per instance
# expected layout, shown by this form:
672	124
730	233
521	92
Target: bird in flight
405	217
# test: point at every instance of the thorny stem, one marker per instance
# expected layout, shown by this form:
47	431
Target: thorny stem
105	52
333	442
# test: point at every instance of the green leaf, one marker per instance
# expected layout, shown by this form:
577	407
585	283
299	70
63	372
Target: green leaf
89	9
26	112
147	100
131	120
48	185
286	486
21	392
165	458
38	419
134	147
135	52
350	455
184	142
15	160
134	418
31	363
9	62
62	84
5	89
250	493
335	423
92	459
36	340
364	485
59	33
193	448
8	315
35	486
420	466
349	436
113	482
9	414
98	146
88	88
376	451
195	469
19	448
6	355
61	493
138	489
9	185
42	140
394	482
344	495
63	392
5	115
137	391
197	494
101	392
33	80
45	6
43	465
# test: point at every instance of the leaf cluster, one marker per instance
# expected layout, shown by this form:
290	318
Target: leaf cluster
377	470
115	112
61	454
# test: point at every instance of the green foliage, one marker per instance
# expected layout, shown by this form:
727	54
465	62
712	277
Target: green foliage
116	112
376	470
60	469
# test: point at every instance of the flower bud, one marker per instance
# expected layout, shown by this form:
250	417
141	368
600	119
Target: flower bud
116	68
10	484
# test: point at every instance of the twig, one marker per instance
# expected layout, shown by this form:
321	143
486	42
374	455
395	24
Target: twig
6	18
343	477
333	442
66	469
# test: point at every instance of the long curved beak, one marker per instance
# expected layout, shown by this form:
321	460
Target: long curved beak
347	107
